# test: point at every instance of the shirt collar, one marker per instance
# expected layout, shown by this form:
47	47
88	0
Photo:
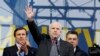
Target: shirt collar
58	39
18	45
74	49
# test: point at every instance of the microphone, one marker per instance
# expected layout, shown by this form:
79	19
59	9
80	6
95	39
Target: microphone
58	49
57	45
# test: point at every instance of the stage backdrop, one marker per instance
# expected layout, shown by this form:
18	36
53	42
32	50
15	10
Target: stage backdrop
79	15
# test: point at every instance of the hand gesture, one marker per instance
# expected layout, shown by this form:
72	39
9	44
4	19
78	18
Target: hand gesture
23	46
29	12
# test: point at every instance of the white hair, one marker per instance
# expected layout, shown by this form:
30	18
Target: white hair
55	23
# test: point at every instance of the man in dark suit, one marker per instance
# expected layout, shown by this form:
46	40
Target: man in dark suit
72	37
21	47
49	44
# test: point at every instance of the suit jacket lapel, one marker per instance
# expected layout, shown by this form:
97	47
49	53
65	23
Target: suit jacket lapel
61	46
49	44
15	50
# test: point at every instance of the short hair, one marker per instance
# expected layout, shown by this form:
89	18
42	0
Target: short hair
71	32
20	28
50	25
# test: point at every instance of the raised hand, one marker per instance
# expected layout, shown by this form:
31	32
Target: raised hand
29	12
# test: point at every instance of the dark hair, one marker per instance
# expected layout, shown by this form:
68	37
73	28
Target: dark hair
20	28
71	32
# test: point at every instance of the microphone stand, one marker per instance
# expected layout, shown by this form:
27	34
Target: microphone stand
57	45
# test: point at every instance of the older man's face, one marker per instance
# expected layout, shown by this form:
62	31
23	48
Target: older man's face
55	30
